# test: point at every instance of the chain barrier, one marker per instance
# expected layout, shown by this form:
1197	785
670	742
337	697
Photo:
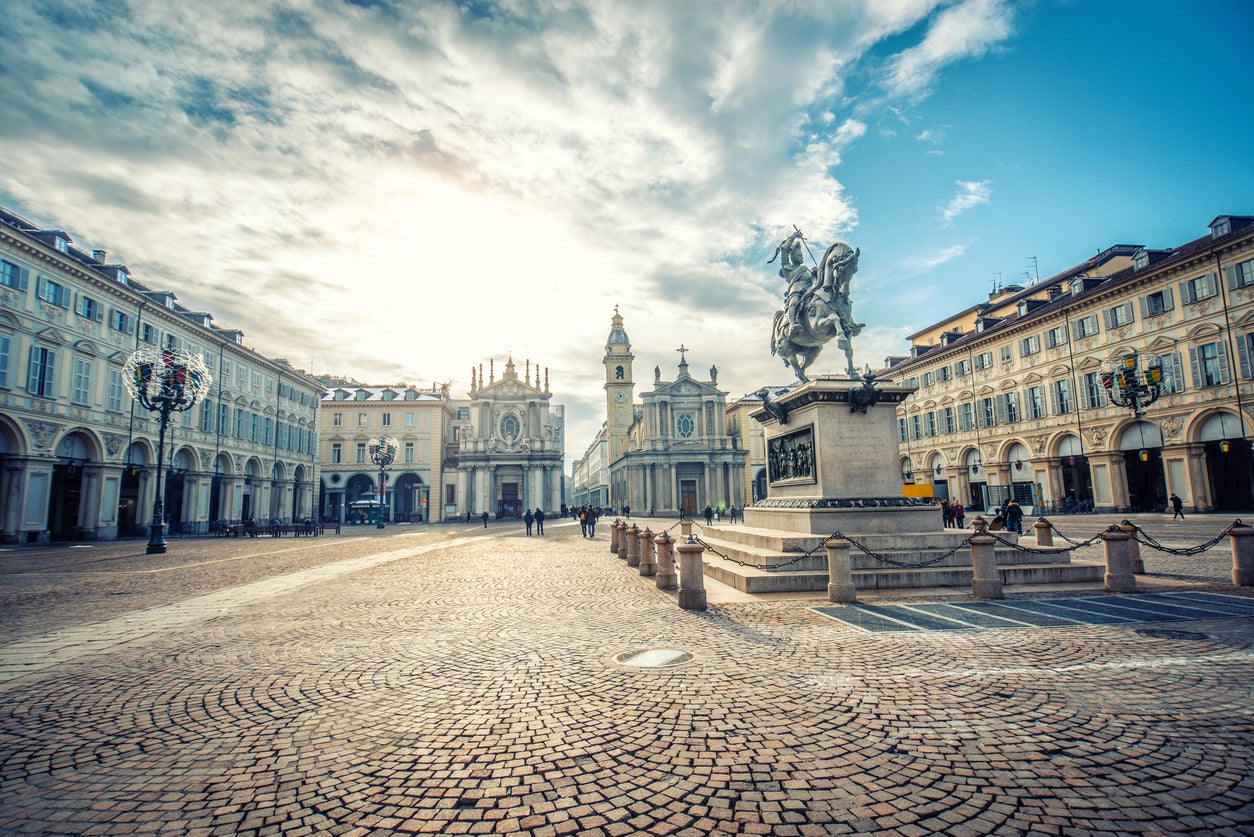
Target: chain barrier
803	556
1143	537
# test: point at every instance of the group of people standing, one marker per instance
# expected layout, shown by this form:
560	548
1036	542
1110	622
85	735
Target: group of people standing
953	514
530	518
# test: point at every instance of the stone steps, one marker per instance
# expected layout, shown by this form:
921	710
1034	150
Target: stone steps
770	561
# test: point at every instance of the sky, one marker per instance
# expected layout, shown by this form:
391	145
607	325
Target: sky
399	191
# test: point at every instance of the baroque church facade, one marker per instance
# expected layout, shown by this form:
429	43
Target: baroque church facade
672	450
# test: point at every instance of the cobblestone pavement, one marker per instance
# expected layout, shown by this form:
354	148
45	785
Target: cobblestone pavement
456	680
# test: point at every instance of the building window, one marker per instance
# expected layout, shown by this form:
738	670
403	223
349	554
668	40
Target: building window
1198	288
1159	302
901	430
929	424
224	419
255	427
239	422
1055	337
173	342
113	401
463	414
41	372
929	379
1087	326
148	333
1062	400
206	417
962	368
1036	402
1027	346
912	382
1091	390
121	321
337	419
943	374
361	451
983	360
685	424
1241	275
81	393
13	276
361	419
337	453
916	427
409	419
52	292
987	414
1007	355
5	346
267	435
1173	374
450	494
89	308
1120	315
387	419
1008	405
409	451
948	424
1210	365
966	420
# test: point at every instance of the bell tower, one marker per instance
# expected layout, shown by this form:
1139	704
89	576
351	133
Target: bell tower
619	387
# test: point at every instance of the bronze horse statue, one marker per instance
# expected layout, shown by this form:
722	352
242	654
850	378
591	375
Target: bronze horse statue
817	308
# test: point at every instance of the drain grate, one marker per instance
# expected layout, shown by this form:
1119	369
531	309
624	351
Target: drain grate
653	658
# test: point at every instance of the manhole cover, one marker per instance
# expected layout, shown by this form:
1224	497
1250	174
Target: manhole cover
1167	633
653	658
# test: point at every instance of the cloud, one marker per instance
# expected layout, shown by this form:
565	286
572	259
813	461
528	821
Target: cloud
922	264
966	30
398	190
970	194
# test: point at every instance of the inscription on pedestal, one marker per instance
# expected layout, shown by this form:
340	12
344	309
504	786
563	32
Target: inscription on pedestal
790	458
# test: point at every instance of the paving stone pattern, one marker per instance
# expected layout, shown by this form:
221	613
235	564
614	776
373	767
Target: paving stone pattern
445	680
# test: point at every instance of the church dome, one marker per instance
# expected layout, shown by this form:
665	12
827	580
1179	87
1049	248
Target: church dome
618	337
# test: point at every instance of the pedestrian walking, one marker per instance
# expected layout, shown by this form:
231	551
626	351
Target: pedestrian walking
528	518
584	513
485	520
947	513
731	511
960	514
709	515
539	522
1177	506
593	514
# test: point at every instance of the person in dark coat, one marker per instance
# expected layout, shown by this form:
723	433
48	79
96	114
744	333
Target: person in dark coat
539	522
709	515
485	520
528	519
1177	506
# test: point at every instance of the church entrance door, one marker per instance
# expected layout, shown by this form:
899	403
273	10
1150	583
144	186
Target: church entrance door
688	496
509	506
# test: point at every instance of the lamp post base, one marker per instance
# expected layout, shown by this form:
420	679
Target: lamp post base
156	540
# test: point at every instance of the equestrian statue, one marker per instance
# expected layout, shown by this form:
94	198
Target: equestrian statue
816	305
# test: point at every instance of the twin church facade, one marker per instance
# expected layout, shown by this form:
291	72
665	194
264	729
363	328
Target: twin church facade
667	452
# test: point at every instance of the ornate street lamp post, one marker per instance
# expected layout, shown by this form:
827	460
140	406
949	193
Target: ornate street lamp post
164	381
382	452
1133	381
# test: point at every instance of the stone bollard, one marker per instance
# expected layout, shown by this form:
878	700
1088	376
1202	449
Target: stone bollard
985	580
839	571
614	527
691	576
1044	532
1119	577
1242	555
633	545
648	566
622	541
665	563
685	528
1136	565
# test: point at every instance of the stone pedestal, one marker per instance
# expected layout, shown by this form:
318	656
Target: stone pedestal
832	463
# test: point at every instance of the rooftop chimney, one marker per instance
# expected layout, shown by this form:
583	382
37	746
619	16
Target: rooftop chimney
100	255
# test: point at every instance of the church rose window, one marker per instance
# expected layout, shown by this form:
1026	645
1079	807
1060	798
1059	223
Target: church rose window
510	427
685	425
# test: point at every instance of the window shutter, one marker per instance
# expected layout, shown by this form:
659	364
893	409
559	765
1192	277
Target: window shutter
1144	306
1212	283
1197	368
1186	294
23	278
63	297
50	373
1084	396
999	409
1243	355
1176	371
1108	315
1053	399
1168	304
39	287
32	371
1225	373
1234	278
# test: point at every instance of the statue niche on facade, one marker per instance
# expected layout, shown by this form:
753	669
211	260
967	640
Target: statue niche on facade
816	305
